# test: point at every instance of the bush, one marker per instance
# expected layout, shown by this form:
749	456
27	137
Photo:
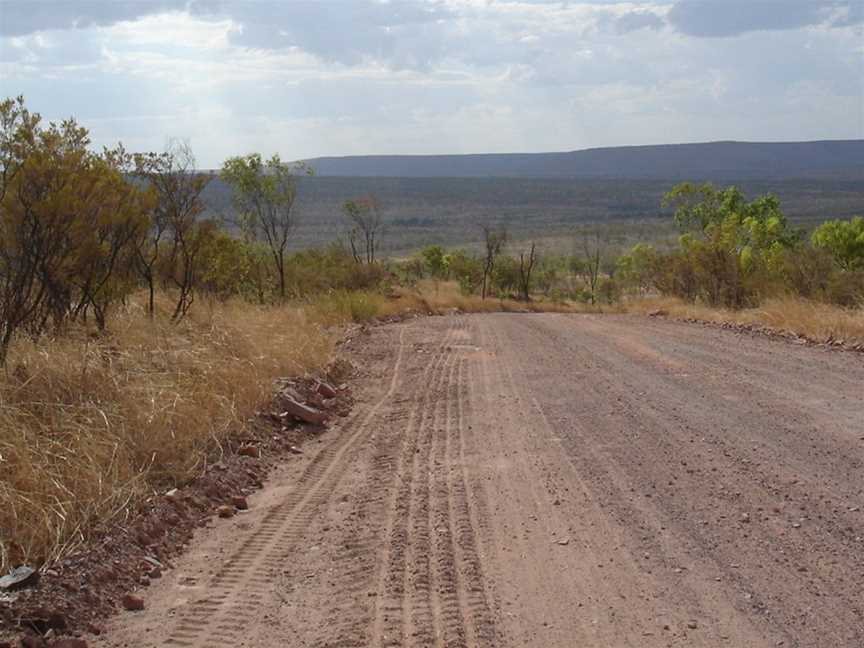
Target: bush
844	240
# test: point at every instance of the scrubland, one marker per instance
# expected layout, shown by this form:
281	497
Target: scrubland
137	334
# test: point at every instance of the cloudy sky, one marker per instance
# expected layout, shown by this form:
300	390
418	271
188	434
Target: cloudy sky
338	77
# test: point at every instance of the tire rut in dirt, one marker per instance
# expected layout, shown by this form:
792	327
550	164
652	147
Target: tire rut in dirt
350	616
393	587
432	592
236	589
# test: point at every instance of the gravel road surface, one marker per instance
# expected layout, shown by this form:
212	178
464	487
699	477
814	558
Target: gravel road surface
553	481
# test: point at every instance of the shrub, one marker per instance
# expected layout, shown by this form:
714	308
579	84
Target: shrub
844	240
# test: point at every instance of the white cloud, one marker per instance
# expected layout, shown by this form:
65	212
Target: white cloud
448	76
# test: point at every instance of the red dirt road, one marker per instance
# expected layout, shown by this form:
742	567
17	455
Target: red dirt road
553	481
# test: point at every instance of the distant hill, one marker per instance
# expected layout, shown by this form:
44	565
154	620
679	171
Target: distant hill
829	159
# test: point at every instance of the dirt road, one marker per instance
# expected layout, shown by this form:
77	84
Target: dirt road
552	481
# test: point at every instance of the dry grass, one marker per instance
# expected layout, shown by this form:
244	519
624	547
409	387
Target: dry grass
442	296
89	427
813	320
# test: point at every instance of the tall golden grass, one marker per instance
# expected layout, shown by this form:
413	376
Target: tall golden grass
814	320
89	427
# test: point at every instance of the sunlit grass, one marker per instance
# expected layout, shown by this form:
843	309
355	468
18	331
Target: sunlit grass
816	321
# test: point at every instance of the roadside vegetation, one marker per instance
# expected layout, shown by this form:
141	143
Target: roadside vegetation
734	260
140	329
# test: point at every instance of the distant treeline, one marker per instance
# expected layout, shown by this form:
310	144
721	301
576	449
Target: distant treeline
446	211
731	253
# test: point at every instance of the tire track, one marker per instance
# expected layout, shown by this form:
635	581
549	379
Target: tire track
350	615
235	588
404	603
433	591
450	606
468	523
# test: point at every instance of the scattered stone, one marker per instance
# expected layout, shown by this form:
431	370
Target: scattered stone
658	313
132	603
19	577
326	390
557	502
745	517
303	412
692	625
240	503
249	451
295	450
564	542
154	573
225	511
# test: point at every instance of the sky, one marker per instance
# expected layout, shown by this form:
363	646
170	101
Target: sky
343	77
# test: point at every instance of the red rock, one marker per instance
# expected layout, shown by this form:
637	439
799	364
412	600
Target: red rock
132	603
31	641
316	400
240	502
302	412
326	390
249	451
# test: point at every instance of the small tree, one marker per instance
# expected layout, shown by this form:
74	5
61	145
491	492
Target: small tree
68	217
592	249
264	196
436	260
178	188
494	240
732	247
526	266
109	225
844	240
365	225
635	269
151	240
